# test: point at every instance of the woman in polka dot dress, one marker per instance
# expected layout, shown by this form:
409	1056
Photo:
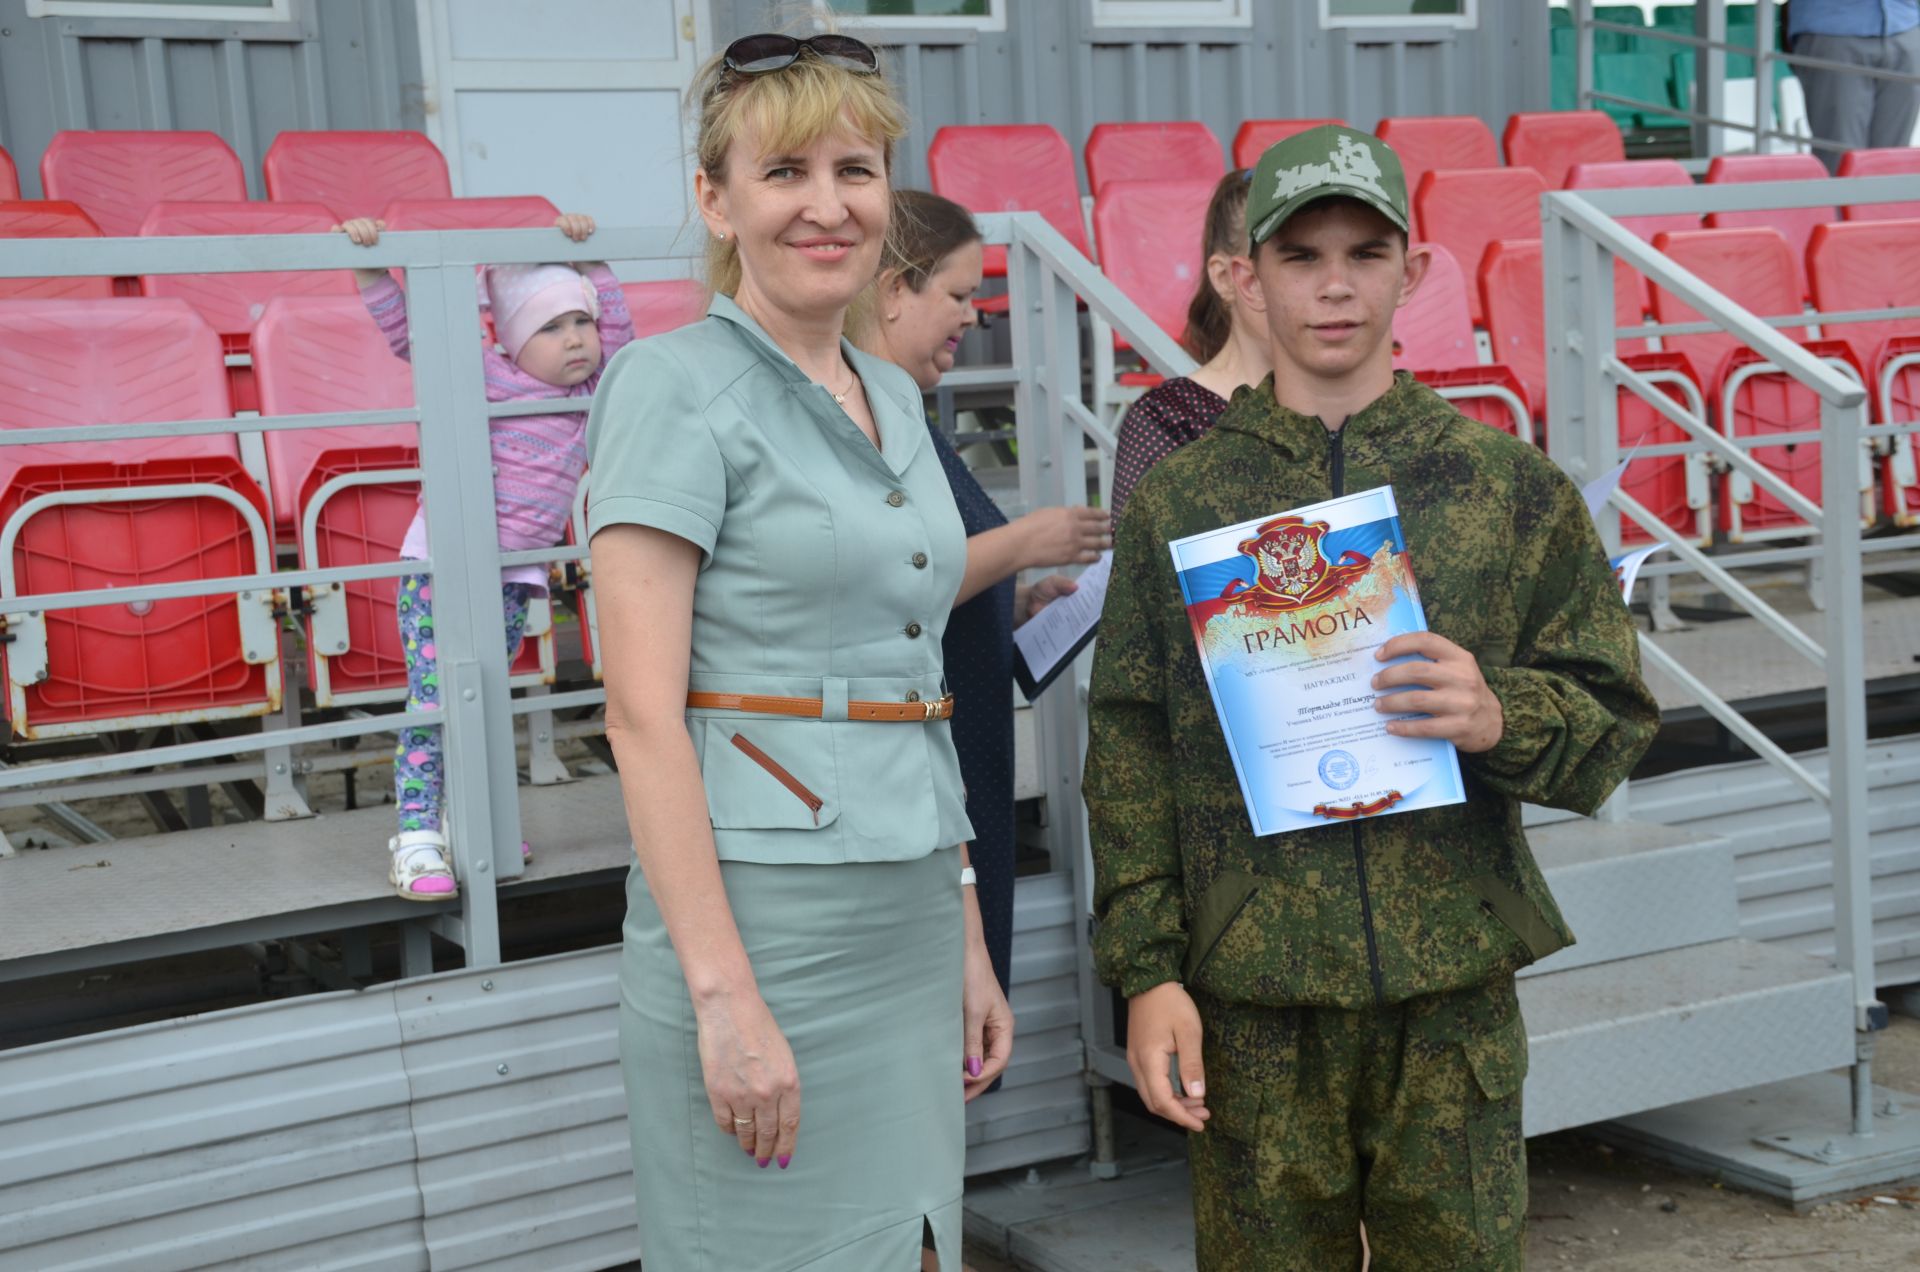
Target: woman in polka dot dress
929	272
1223	334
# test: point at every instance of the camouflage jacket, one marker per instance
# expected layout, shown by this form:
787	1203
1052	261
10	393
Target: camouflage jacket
1372	912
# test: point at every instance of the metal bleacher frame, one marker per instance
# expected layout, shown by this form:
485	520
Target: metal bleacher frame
520	1054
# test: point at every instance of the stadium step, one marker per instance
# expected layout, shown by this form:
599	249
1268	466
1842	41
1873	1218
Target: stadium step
1619	1038
1633	888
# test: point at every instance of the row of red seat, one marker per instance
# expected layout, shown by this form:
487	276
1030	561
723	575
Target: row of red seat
117	176
1484	227
339	496
1028	167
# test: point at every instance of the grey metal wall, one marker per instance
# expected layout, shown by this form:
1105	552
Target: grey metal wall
337	64
473	1119
1053	65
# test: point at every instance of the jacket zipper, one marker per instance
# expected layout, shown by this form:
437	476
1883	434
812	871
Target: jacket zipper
792	783
1337	472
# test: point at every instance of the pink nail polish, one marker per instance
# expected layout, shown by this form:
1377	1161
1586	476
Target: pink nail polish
786	1160
761	1162
973	1066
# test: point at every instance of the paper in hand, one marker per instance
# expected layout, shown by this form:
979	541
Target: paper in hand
1047	643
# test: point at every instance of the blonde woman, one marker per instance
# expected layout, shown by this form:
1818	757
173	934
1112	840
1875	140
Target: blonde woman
776	553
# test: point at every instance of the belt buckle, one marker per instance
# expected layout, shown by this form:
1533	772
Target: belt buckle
933	708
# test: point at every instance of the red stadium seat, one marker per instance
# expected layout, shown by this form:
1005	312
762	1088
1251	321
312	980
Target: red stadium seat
1256	135
315	354
1182	150
354	173
1638	174
1433	338
1795	223
1754	268
1673	487
1873	265
1467	209
1427	143
49	218
1898	161
1434	328
232	303
1149	236
78	525
500	212
346	495
1008	168
9	178
662	306
1551	142
118	176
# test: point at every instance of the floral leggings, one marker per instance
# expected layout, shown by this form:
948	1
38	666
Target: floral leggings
418	770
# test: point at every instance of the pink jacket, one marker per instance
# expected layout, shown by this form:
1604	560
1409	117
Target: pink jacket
538	460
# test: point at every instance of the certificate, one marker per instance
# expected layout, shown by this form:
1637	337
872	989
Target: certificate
1288	611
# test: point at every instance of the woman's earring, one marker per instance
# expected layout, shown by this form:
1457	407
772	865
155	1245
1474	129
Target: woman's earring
720	235
893	317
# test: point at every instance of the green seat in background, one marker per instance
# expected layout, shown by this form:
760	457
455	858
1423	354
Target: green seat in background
1565	69
1614	41
1638	76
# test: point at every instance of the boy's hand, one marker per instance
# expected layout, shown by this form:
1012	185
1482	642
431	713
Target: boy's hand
577	226
1447	686
365	232
1163	1023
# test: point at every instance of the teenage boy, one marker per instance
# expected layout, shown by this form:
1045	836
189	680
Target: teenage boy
1363	1048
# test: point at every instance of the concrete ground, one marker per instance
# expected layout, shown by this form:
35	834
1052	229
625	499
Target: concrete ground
1598	1208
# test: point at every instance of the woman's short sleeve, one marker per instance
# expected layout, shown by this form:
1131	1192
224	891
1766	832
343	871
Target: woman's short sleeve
652	458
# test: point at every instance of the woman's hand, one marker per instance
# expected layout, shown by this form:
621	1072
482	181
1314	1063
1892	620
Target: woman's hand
753	1085
364	231
989	1021
1047	590
1065	536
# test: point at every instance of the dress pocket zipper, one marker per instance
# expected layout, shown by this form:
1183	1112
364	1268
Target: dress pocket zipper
780	774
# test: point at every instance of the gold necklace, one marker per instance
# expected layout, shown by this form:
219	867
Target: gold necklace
840	398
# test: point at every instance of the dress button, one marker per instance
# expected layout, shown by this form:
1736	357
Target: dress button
913	629
895	498
919	560
913	695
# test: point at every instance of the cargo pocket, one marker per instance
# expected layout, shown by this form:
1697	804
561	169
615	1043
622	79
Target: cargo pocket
1498	1059
768	774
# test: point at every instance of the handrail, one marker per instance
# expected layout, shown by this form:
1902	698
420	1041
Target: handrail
1102	296
1589	215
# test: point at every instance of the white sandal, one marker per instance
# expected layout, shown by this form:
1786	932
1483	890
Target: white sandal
420	871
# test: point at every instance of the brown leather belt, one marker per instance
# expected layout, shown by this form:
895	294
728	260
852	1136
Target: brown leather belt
810	708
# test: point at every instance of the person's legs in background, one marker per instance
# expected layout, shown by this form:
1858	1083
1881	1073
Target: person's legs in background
1840	104
1896	105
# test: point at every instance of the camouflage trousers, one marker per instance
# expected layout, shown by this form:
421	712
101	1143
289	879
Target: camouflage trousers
1406	1117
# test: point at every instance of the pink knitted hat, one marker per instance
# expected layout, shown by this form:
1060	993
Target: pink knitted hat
525	298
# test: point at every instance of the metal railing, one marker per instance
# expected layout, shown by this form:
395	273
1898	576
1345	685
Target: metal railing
1710	43
478	709
1585	378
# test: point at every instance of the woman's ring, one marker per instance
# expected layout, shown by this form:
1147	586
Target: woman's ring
743	1121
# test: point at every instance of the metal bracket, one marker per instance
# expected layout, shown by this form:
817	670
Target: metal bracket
259	627
27	655
328	605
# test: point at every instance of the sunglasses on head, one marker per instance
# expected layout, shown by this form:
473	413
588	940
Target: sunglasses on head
759	54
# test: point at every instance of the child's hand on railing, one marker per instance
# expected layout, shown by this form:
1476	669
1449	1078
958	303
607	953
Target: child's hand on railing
365	232
577	226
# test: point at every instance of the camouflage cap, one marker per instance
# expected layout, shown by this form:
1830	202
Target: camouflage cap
1325	162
